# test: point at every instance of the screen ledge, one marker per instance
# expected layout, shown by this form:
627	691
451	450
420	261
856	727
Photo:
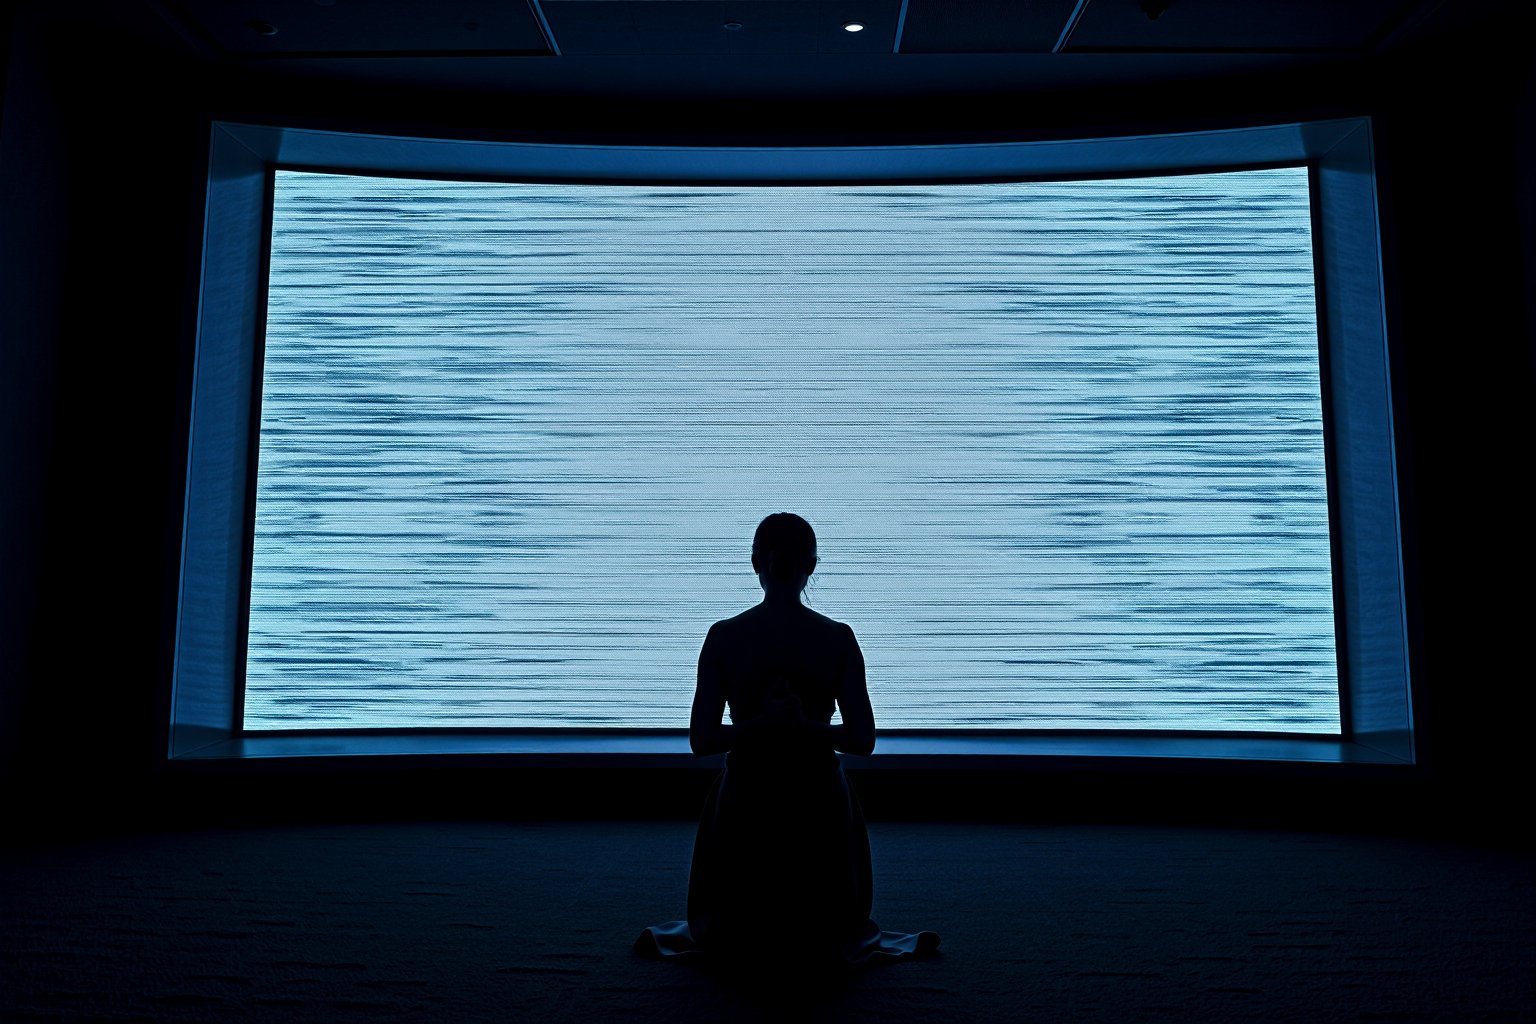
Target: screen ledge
670	750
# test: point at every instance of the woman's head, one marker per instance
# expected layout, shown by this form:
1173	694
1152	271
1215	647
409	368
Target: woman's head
784	549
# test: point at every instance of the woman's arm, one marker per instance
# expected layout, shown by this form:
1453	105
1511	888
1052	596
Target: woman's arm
857	733
706	733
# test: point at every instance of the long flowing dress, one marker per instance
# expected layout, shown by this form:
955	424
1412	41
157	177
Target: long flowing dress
781	864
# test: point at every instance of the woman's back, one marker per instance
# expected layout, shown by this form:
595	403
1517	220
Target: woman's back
777	650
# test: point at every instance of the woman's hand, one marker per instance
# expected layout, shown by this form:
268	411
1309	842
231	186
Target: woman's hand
781	715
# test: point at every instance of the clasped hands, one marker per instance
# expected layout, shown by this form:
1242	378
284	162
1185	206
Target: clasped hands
782	717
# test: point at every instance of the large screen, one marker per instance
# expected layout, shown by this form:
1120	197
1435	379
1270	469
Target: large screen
1061	442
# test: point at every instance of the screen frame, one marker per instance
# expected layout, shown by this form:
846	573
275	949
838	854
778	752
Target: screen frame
1370	609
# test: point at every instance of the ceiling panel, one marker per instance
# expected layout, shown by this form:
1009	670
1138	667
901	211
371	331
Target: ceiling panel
593	27
1234	25
297	28
984	26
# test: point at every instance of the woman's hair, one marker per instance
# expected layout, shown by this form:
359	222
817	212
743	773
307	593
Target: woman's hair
784	547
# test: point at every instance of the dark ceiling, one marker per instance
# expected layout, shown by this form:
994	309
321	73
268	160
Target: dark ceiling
793	48
583	28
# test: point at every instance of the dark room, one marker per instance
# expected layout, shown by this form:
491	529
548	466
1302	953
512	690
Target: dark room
818	510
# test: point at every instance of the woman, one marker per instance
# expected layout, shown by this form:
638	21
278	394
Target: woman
781	867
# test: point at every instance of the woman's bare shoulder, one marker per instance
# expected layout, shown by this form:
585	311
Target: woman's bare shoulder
829	624
730	630
731	624
832	635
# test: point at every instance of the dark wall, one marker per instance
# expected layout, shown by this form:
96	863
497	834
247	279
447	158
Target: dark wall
102	153
1461	186
100	169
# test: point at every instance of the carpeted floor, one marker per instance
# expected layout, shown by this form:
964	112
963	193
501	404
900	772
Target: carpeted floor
514	922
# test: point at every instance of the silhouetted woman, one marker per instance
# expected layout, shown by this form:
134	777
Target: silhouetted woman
781	867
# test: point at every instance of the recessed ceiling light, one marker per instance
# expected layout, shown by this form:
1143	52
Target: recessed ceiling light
853	26
261	28
733	26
